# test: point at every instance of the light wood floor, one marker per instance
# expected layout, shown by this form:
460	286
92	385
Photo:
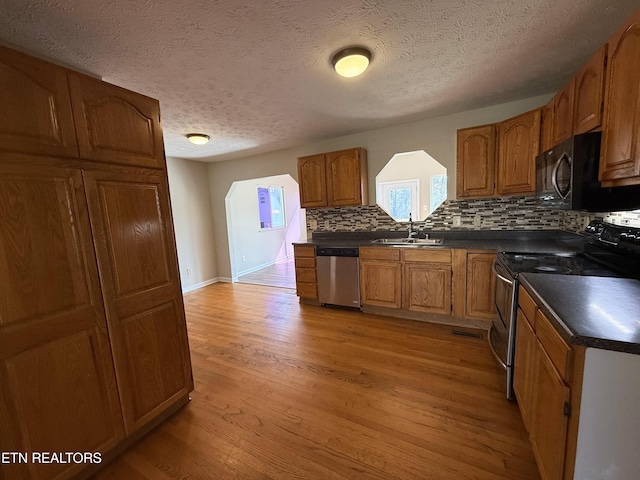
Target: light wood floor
290	391
281	274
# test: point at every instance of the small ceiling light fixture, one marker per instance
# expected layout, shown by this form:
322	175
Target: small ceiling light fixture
198	138
352	61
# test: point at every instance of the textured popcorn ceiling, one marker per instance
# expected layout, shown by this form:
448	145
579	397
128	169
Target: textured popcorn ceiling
256	76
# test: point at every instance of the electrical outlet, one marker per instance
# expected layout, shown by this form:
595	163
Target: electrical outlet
244	259
188	272
313	224
456	220
477	220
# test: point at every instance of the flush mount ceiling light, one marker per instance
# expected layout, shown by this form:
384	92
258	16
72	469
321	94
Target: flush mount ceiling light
352	61
198	138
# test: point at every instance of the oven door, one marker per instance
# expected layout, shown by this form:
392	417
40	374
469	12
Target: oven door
502	332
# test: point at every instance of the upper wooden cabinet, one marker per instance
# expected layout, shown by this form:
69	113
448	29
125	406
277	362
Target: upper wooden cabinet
115	125
333	179
620	150
518	146
546	126
563	113
35	116
475	162
588	93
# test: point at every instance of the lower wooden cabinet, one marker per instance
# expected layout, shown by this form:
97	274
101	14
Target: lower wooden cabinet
380	277
306	280
480	285
543	374
427	281
93	341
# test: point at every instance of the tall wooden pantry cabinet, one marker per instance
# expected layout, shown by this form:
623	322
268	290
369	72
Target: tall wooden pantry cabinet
93	340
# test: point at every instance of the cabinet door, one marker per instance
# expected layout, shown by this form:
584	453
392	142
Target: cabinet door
524	370
620	151
312	178
563	113
518	146
57	385
380	283
546	127
481	286
549	419
133	235
36	111
475	162
344	177
589	92
427	288
115	125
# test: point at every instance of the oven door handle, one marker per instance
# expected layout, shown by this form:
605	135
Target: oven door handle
493	350
504	279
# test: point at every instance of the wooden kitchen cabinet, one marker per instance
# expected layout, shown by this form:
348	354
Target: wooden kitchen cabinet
115	125
133	236
93	341
481	286
620	149
306	278
36	110
426	282
589	93
475	162
518	146
546	126
563	113
380	277
333	179
56	367
543	374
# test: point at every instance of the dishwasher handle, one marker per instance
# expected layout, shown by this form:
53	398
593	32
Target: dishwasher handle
337	252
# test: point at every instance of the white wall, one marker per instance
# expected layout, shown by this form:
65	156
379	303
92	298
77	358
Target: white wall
437	136
250	247
193	220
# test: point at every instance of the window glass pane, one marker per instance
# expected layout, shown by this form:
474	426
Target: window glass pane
400	203
276	195
264	206
438	191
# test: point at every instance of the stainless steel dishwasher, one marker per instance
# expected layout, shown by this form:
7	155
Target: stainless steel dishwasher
338	276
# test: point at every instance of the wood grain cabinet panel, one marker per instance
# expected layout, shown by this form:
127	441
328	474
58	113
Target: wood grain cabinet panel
346	177
36	110
620	150
427	288
115	125
546	126
133	235
563	113
56	370
589	93
525	373
475	162
380	283
481	286
333	179
312	178
518	146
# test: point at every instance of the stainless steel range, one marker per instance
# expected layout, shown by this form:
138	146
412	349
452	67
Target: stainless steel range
609	251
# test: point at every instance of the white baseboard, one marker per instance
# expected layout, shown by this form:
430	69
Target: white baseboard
260	267
196	286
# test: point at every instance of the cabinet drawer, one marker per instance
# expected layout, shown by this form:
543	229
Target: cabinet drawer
380	253
527	305
308	290
306	275
555	347
428	255
305	262
304	251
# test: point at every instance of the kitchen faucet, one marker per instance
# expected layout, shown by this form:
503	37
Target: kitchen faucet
412	232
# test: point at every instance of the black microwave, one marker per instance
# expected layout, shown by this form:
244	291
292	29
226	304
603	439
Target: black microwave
567	179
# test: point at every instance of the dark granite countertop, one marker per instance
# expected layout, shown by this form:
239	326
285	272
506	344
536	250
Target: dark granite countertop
521	241
599	312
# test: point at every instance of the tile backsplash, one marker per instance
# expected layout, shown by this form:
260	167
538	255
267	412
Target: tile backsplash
505	213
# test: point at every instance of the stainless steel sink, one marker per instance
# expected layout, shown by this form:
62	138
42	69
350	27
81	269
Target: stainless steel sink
408	241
